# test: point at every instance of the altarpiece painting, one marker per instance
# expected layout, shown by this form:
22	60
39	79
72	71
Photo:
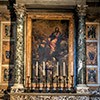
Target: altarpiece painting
50	47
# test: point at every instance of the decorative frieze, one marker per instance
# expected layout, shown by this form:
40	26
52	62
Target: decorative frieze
25	96
28	97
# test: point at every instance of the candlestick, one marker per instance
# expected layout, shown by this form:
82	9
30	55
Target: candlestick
37	65
43	68
57	68
64	85
36	82
51	85
64	65
57	82
28	83
44	83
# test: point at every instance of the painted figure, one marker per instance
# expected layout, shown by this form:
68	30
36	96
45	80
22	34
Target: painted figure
54	38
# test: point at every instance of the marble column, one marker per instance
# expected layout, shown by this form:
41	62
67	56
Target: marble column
19	49
81	50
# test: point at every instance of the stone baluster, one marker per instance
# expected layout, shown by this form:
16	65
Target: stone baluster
81	50
19	49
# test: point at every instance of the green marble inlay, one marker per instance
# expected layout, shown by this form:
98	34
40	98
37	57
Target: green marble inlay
81	48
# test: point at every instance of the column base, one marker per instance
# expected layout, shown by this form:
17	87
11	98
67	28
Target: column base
82	89
17	88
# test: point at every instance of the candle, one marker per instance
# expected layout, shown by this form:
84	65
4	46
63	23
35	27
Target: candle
72	69
64	69
37	65
43	68
57	68
28	67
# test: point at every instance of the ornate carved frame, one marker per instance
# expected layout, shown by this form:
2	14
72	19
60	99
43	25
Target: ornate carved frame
28	44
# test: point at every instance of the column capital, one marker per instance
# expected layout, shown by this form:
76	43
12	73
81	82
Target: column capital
20	9
81	9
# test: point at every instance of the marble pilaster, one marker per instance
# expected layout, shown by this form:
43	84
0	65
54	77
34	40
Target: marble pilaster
81	50
19	49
